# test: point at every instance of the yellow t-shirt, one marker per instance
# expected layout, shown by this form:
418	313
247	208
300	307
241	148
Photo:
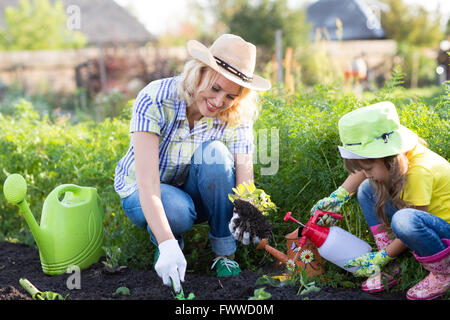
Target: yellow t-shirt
428	182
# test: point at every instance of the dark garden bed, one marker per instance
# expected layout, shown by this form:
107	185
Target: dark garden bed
20	261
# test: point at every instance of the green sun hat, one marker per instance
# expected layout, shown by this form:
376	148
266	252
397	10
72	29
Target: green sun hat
374	132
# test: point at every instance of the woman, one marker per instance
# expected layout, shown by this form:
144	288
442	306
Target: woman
191	143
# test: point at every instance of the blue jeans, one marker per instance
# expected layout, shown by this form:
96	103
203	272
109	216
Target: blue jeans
420	231
203	197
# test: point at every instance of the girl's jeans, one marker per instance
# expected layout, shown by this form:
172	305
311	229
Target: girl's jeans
203	197
420	231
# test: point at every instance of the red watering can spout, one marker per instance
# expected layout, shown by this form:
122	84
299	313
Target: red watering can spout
288	216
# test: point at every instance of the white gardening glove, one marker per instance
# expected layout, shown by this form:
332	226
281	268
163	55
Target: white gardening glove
171	264
237	228
248	224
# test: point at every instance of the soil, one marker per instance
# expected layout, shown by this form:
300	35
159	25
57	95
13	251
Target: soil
20	261
250	219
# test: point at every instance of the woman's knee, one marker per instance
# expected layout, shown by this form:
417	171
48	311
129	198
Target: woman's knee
132	207
213	152
217	161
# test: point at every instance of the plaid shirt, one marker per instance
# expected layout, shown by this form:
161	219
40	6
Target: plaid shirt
158	110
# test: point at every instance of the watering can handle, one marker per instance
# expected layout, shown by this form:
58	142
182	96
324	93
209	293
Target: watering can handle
319	213
65	188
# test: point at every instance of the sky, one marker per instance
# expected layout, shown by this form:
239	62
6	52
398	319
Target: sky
160	16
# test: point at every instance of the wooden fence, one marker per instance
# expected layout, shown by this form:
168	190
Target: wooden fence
103	68
62	71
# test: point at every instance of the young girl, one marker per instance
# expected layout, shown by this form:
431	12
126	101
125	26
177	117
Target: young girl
397	179
191	143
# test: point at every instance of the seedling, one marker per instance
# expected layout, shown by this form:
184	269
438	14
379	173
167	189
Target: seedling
260	294
180	295
112	259
122	290
306	286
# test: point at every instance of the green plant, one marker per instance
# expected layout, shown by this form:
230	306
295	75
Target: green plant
258	197
293	277
307	286
180	295
112	258
122	290
260	294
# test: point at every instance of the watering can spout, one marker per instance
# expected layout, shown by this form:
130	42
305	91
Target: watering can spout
283	258
36	230
15	191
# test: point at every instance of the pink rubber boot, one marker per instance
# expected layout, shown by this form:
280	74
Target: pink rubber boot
438	281
375	283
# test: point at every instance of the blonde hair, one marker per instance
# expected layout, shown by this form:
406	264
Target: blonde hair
390	191
244	109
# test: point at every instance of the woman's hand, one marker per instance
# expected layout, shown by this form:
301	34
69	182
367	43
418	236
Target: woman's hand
171	264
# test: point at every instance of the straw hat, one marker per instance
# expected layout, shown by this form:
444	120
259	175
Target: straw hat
232	57
374	132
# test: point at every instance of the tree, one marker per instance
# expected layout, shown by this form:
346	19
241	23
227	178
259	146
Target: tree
412	24
257	21
38	26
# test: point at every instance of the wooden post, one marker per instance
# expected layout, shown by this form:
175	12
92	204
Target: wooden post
289	80
102	67
279	52
415	69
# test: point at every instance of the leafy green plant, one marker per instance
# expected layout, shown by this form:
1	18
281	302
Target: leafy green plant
306	284
260	294
122	290
293	277
112	259
180	295
258	197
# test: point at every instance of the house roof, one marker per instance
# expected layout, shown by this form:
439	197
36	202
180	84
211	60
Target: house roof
358	18
102	21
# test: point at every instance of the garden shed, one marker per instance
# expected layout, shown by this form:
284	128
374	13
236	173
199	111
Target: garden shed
359	18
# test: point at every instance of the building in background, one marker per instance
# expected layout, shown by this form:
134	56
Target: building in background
346	19
120	54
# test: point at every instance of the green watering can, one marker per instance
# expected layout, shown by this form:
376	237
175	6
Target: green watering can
71	230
